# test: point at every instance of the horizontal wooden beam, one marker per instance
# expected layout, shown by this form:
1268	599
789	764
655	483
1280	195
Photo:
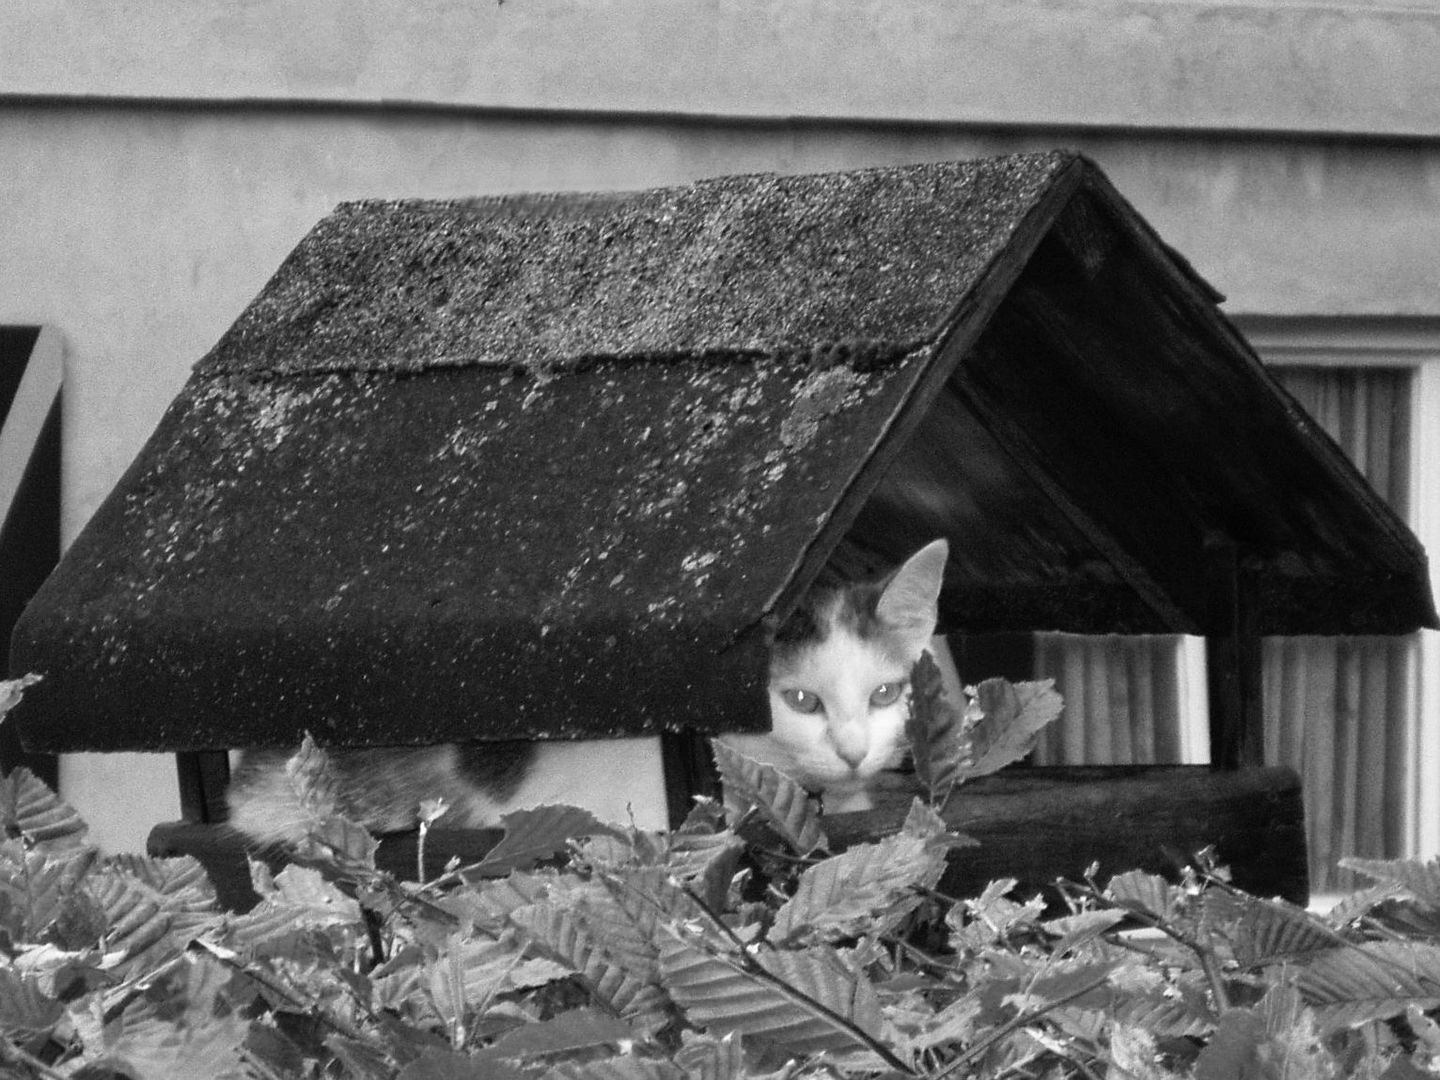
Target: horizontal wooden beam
1033	824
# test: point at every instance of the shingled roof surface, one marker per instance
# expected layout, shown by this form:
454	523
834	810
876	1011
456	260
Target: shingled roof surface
757	266
546	465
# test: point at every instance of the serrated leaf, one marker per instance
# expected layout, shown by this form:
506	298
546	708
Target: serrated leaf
490	901
935	729
12	690
1359	904
1080	928
706	862
622	1067
953	1024
330	836
1013	715
1244	1045
437	1064
989	918
295	902
28	808
1147	894
1375	980
138	924
561	934
705	1057
845	895
24	1010
1269	932
1162	1014
183	1028
756	785
342	840
182	880
531	836
629	915
366	1062
716	992
1133	1049
468	972
40	885
1420	879
577	1029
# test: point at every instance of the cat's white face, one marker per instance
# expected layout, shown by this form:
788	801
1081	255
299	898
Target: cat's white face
838	712
840	686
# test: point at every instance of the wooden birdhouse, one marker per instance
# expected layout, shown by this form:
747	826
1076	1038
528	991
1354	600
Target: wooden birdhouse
545	466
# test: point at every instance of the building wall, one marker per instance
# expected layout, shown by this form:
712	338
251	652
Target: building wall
160	160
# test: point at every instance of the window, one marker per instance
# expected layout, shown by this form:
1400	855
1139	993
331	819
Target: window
1349	714
1357	718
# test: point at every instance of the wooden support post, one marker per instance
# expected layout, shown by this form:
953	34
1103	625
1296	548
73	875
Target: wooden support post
689	771
1233	662
31	372
204	775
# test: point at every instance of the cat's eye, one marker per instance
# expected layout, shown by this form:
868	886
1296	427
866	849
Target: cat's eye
802	701
887	693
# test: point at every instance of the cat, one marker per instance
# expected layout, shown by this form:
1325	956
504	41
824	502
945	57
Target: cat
838	689
840	679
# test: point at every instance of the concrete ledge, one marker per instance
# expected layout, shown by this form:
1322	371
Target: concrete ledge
1344	68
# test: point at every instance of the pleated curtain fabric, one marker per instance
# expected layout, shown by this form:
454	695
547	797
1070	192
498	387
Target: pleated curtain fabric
1122	699
1340	710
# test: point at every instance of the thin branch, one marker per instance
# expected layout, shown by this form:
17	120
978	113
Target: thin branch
1013	1025
284	992
19	1055
745	963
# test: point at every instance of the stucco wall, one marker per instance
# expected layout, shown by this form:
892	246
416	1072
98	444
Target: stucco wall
1366	67
161	159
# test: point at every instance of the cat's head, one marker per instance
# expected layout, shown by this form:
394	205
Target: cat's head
840	675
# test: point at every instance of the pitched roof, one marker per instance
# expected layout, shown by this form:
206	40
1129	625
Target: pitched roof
545	464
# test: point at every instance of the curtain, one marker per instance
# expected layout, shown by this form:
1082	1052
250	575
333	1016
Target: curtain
1338	710
1122	699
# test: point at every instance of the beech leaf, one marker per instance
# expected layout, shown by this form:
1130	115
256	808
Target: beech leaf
561	933
531	836
330	836
1376	980
1269	932
935	729
1012	717
29	809
756	785
24	1010
718	993
707	1058
577	1029
865	887
1420	879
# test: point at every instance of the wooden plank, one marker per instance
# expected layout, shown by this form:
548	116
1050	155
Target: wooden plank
31	375
1033	824
1043	823
689	770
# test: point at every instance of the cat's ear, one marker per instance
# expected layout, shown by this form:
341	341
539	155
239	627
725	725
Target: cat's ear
911	597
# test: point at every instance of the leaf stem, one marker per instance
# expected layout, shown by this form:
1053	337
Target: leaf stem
10	1052
1004	1030
743	961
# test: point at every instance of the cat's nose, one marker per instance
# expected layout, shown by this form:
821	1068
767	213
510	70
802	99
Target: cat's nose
851	745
